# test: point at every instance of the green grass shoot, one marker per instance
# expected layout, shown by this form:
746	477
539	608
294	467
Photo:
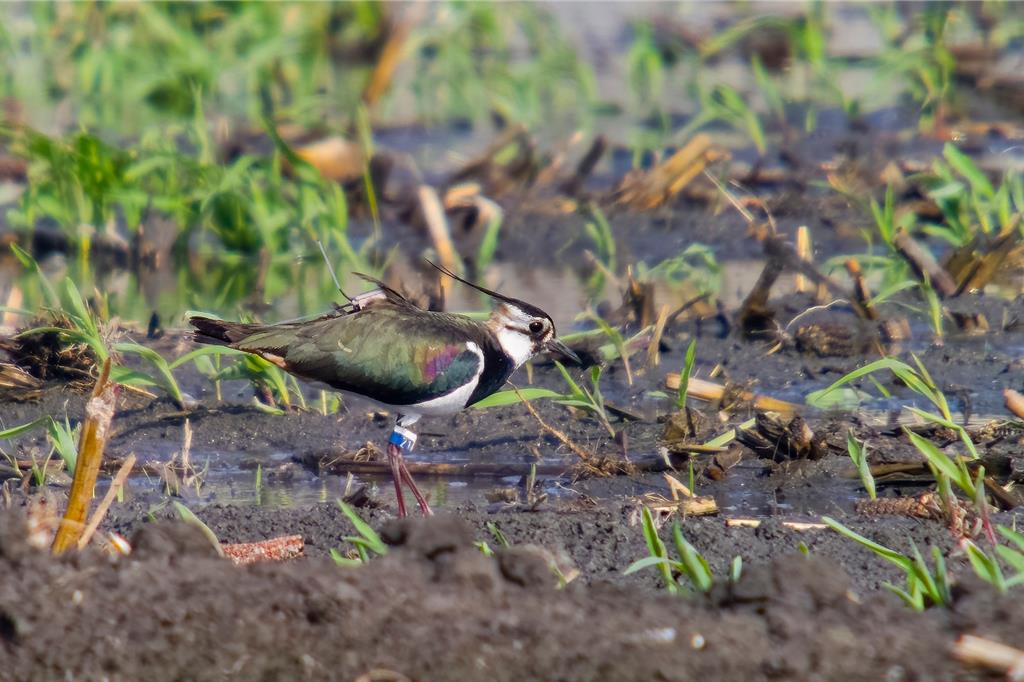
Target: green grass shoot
366	542
858	453
684	376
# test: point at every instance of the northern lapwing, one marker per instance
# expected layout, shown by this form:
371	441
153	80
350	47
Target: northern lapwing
412	361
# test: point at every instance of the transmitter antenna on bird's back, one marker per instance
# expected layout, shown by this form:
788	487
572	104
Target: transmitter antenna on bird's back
330	269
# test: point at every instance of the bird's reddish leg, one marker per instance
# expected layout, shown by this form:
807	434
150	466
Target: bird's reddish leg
407	477
403	439
397	467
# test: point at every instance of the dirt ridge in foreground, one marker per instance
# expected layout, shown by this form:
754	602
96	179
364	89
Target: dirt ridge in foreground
436	608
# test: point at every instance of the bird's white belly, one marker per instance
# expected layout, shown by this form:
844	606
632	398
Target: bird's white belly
449	403
438	407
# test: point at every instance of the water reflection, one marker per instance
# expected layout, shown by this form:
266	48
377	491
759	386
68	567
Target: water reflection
290	286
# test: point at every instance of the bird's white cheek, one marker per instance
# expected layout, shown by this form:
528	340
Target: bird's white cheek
516	346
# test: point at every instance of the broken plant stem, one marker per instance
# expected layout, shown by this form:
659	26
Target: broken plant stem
990	654
860	288
803	250
743	522
437	226
392	53
108	499
99	412
1014	402
709	391
924	264
650	189
654	347
558	435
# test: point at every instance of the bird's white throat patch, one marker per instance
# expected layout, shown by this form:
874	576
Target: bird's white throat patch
516	345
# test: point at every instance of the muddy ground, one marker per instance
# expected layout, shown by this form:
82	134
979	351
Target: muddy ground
435	608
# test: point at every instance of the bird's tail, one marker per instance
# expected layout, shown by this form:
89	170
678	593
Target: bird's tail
220	332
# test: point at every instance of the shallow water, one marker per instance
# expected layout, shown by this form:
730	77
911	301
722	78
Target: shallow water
231	478
226	477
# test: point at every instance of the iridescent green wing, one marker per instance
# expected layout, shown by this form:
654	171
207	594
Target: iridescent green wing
397	356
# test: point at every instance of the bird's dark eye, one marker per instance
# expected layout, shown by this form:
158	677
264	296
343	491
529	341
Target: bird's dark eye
536	327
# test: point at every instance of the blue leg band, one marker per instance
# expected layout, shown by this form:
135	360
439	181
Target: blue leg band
403	438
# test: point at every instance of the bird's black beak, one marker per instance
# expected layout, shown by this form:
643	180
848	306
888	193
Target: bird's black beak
556	345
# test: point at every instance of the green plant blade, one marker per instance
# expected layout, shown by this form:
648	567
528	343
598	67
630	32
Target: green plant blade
684	376
16	431
509	397
342	560
986	567
695	566
656	548
890	364
369	535
914	601
646	562
1012	535
881	550
29	263
205	351
188	517
942	462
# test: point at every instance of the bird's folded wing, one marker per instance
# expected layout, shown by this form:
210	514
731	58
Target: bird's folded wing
395	359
